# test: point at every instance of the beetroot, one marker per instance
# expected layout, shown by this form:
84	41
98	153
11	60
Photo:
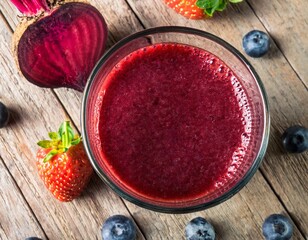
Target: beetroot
58	44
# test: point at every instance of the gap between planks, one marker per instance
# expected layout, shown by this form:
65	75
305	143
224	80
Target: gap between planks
277	45
282	203
5	166
54	93
22	195
58	99
262	173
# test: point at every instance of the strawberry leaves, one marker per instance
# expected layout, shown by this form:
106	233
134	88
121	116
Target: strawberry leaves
60	141
53	135
66	134
49	155
210	6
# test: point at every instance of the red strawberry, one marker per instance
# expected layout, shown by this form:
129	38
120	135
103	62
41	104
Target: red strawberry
197	9
187	8
63	164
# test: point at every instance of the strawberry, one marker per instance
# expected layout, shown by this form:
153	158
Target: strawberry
63	164
187	8
197	9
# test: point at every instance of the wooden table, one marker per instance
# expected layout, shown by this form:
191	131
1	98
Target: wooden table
279	186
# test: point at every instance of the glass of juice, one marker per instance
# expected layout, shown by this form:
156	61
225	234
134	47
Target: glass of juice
175	119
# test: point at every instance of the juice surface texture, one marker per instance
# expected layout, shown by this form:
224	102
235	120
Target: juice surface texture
173	122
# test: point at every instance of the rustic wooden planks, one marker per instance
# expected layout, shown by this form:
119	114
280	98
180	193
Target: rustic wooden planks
287	23
239	218
17	219
287	96
35	112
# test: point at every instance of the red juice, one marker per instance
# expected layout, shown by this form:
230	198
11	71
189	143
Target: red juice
173	123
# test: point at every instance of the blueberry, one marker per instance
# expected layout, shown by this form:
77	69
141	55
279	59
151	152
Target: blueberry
256	43
199	229
277	227
4	115
33	238
118	227
295	139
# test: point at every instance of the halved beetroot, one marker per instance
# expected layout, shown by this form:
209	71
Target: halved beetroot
58	45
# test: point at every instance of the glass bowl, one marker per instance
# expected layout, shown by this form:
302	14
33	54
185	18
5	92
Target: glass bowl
234	60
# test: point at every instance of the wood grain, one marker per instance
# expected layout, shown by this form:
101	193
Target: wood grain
17	219
239	218
153	233
34	112
287	96
10	12
287	23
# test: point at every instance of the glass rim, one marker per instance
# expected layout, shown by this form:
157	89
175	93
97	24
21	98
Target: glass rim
265	134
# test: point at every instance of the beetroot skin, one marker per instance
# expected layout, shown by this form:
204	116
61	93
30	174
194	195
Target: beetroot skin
61	48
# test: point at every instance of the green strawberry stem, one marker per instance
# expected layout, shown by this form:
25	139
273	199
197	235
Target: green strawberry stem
210	6
60	141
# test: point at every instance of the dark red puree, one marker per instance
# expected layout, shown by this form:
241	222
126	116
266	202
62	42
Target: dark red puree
170	122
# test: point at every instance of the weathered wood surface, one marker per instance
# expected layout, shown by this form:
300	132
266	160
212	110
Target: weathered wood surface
17	218
288	24
280	186
35	112
288	96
